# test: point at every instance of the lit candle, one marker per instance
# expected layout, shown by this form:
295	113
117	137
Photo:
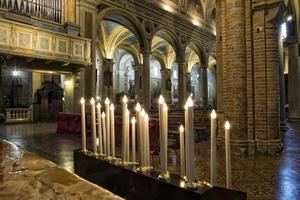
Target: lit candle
133	122
127	136
182	155
162	142
228	155
143	160
138	109
147	145
83	127
213	148
124	111
189	139
112	129
104	132
94	136
100	146
108	134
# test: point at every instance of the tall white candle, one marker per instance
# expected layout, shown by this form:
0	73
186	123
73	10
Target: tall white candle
112	129
189	139
83	126
182	152
100	146
108	134
138	109
124	111
104	132
228	155
127	135
213	148
94	135
147	144
162	133
143	161
133	122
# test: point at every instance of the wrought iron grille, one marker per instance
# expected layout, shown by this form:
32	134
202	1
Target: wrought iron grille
44	9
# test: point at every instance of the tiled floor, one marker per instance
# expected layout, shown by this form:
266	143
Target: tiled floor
262	177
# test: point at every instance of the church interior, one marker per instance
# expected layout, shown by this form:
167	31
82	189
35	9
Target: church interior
150	99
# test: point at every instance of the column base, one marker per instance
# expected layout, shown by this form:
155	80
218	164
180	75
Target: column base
250	147
283	126
72	29
269	146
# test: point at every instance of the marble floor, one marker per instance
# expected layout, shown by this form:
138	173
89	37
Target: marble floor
24	175
263	177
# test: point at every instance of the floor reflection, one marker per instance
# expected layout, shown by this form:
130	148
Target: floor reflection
261	176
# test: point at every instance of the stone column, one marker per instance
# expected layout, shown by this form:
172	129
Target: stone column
182	83
205	87
69	93
107	70
70	18
166	84
281	83
294	82
146	81
137	81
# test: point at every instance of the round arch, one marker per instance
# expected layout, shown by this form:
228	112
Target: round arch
125	19
199	49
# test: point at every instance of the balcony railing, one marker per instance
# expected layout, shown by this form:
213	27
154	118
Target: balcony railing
18	115
44	9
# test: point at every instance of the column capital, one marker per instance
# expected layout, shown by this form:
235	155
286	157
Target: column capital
274	10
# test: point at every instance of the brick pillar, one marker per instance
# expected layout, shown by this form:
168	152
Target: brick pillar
219	72
235	99
146	81
182	84
266	81
294	82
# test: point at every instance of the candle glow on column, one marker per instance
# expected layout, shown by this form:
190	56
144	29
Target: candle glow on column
228	155
94	136
112	129
182	152
104	132
213	146
108	134
83	126
100	146
133	143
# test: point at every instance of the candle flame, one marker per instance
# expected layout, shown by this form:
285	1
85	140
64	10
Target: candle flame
213	114
107	100
82	101
112	107
189	102
161	99
92	101
125	99
98	98
227	125
133	120
98	105
103	115
181	128
138	107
